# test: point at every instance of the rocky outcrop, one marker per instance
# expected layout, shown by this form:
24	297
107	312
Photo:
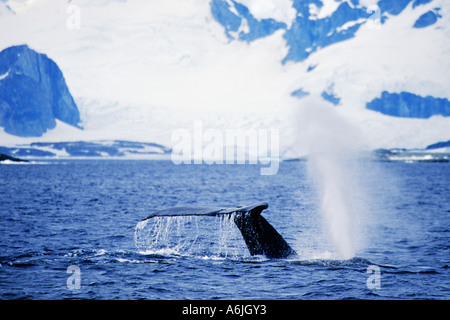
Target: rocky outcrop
33	93
409	105
4	157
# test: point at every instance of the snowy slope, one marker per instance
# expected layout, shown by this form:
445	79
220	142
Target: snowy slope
140	69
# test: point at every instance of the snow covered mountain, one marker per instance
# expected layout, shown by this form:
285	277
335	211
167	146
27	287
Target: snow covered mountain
138	69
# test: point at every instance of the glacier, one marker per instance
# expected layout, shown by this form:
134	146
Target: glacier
138	70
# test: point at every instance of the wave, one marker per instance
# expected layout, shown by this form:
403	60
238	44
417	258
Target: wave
352	262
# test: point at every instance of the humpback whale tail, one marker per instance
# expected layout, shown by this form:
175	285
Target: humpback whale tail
259	235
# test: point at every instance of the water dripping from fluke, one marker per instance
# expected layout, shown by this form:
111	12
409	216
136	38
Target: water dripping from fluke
188	231
215	238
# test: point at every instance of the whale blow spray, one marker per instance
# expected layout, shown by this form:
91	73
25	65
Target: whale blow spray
331	144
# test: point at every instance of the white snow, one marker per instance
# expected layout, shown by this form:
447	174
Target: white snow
327	9
280	10
367	3
140	69
350	24
3	76
4	10
394	58
62	132
19	6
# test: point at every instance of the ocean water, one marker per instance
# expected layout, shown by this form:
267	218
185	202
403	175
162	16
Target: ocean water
69	229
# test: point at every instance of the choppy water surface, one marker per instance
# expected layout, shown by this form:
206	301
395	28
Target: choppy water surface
86	214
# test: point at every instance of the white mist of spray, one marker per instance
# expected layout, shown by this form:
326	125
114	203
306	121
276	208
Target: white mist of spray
331	145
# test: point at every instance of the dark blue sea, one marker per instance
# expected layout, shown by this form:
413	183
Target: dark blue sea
69	229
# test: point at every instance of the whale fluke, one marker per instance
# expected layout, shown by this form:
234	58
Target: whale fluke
259	235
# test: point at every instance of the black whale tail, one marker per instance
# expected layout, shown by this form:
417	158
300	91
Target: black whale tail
259	235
